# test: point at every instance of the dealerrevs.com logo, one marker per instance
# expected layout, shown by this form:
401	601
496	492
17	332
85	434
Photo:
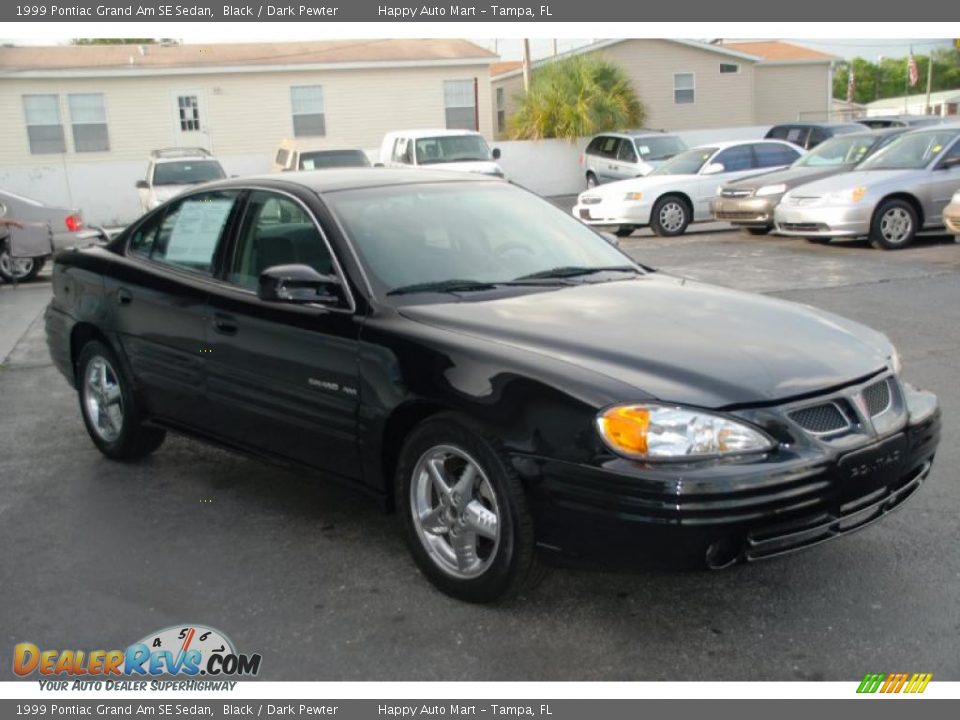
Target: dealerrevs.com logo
184	650
889	683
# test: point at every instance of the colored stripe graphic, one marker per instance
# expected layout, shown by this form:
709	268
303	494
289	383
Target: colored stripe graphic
894	683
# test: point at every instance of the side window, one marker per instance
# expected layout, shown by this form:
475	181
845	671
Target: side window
187	234
739	157
774	155
797	135
627	153
594	147
403	151
778	132
952	153
608	147
283	156
276	230
817	136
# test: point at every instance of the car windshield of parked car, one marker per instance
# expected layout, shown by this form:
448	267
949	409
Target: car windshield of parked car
187	172
333	158
656	147
843	150
910	152
686	163
451	148
474	235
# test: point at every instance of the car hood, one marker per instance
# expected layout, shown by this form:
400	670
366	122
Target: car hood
484	167
791	177
871	179
676	340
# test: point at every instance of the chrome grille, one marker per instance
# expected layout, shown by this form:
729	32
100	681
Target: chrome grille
590	200
877	397
821	419
728	193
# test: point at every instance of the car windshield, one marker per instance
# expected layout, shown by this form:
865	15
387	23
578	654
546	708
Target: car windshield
912	151
843	150
468	236
659	147
451	148
333	158
686	163
187	172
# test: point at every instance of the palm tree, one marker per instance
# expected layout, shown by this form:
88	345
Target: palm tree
575	97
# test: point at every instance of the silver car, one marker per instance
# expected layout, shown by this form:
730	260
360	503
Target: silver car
888	198
617	156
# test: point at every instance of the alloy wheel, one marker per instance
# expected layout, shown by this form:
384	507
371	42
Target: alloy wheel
896	225
15	267
103	399
672	216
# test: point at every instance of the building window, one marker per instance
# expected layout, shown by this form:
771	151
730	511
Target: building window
189	108
460	104
501	111
308	116
729	68
44	130
88	116
683	90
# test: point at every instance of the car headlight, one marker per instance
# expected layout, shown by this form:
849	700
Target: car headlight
896	364
633	196
661	432
851	195
771	190
956	197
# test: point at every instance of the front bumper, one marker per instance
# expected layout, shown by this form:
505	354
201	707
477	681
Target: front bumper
746	211
613	213
735	510
823	221
951	218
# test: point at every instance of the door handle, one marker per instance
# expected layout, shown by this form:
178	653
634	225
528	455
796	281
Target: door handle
225	324
124	296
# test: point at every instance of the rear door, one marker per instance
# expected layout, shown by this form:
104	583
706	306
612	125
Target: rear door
282	377
738	161
606	159
158	294
625	165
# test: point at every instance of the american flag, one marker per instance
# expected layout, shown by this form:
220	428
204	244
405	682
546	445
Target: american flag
912	70
851	84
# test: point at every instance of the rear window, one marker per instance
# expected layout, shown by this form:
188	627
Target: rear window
332	159
604	146
187	172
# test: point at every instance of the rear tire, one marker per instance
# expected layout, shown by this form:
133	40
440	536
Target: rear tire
464	511
759	230
894	225
670	216
19	269
110	410
592	181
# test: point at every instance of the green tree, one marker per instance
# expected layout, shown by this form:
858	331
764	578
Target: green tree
888	78
575	97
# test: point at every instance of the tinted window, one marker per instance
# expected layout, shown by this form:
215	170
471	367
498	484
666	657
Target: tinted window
659	147
594	147
187	172
608	146
778	132
451	148
686	163
911	151
839	151
187	234
774	155
627	153
276	230
333	158
282	157
739	157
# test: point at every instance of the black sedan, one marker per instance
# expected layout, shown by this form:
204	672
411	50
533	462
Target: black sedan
491	368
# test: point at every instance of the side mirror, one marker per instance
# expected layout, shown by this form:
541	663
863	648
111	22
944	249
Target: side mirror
142	185
299	284
948	163
495	153
713	169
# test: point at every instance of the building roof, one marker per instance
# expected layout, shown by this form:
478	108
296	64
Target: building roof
778	51
177	58
499	68
896	103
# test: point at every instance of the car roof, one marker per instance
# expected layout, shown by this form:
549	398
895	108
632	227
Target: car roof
336	179
428	132
754	141
810	123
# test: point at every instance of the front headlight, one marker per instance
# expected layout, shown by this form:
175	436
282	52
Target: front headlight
659	432
896	364
849	196
771	190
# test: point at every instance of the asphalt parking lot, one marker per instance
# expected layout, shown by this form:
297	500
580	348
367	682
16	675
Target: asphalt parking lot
97	554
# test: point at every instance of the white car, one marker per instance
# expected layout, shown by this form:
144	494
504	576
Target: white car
173	170
460	150
679	192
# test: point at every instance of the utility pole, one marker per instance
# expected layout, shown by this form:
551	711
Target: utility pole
927	110
526	65
554	47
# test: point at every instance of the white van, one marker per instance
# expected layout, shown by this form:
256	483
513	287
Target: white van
462	150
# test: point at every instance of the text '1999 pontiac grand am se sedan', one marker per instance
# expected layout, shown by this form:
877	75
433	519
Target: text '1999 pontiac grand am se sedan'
497	372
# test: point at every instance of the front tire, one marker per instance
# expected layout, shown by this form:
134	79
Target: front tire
894	225
670	216
765	230
625	230
464	511
19	269
110	410
592	181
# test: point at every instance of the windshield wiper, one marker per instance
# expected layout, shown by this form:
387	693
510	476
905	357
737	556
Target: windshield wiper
575	271
444	286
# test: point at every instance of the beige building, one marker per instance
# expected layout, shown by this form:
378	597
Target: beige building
688	85
79	118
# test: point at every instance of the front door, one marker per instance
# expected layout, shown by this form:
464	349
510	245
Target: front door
944	182
282	377
189	119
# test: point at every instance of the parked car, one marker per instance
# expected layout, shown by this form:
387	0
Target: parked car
457	150
810	134
170	171
907	121
679	192
890	196
951	215
66	230
749	203
299	155
629	154
496	369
